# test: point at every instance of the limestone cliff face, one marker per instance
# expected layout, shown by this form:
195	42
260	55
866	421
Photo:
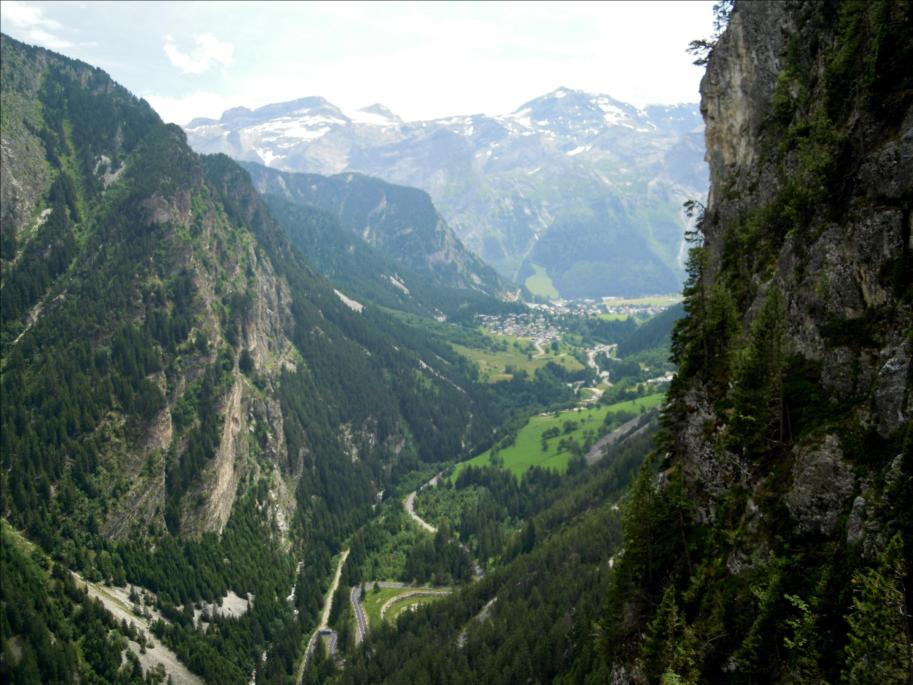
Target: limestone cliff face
222	264
825	178
787	457
736	91
166	352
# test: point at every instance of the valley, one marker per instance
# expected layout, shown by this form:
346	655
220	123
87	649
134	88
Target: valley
422	547
572	195
306	395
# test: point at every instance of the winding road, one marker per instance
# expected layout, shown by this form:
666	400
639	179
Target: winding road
416	592
360	620
409	504
324	629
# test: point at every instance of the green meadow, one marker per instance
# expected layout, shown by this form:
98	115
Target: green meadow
493	364
527	448
541	284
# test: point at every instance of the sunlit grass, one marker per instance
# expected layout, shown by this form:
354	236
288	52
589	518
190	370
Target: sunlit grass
527	449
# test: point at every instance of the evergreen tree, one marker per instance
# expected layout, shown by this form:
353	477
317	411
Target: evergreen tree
880	647
757	423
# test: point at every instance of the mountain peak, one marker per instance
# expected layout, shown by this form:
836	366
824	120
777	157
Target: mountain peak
310	105
505	168
234	113
376	114
561	92
566	108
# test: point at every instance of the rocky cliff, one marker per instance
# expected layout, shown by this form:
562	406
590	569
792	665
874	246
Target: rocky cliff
575	190
160	332
787	473
398	221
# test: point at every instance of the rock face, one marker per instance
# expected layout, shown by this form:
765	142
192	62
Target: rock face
581	187
790	421
830	233
736	92
822	482
154	317
400	222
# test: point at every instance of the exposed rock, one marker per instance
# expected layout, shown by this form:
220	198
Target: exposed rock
892	395
822	482
856	521
710	470
224	474
26	176
736	91
888	173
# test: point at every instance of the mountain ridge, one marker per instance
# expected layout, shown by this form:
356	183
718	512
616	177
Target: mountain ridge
400	221
503	182
188	406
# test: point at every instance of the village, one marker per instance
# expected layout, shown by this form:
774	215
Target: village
533	326
541	322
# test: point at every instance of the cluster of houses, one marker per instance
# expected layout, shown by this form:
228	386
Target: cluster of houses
570	307
607	305
534	326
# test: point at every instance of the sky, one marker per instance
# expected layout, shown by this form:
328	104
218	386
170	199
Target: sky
423	60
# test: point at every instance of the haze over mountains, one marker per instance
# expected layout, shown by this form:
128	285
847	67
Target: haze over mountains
264	427
582	192
398	222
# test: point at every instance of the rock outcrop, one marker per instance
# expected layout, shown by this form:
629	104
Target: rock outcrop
788	465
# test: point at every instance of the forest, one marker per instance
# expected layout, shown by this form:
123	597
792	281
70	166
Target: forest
211	395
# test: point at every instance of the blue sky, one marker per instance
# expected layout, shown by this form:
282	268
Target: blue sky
423	60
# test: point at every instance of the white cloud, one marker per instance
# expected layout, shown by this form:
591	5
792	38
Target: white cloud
180	110
32	25
422	60
208	52
440	59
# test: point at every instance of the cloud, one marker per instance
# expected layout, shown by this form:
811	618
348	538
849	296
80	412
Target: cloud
439	59
208	52
32	25
180	110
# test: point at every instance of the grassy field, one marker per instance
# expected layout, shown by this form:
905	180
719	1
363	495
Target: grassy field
541	284
493	364
374	601
527	449
613	317
649	301
397	608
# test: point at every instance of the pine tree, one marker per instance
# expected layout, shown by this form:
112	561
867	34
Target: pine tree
880	648
757	396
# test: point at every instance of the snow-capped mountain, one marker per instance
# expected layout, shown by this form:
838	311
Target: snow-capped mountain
573	193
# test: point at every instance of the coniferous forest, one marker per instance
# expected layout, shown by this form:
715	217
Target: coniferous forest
261	426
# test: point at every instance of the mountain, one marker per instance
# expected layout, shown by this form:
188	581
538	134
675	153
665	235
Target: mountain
581	192
769	536
188	407
774	542
400	222
365	273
